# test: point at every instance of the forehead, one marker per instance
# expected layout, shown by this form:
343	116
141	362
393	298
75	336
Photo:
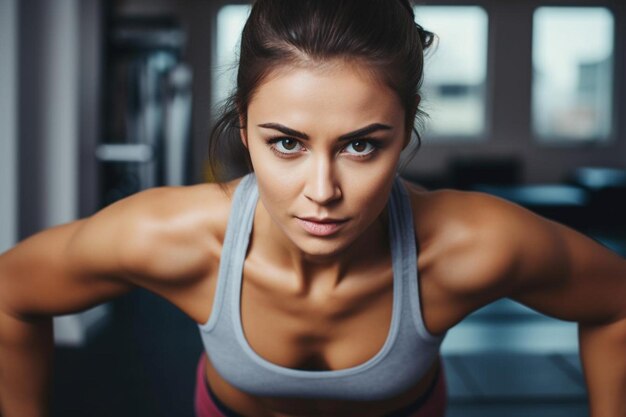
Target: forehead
340	95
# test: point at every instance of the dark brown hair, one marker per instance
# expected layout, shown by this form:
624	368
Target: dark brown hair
381	35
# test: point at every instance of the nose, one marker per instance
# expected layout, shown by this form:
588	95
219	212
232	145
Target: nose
322	185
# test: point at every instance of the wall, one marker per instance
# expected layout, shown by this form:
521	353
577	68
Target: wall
57	118
509	74
48	119
8	125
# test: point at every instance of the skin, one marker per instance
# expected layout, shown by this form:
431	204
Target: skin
334	292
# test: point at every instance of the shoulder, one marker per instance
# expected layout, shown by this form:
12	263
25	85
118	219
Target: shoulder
479	248
164	233
450	216
467	244
162	239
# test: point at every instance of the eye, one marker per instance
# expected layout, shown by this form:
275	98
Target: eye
360	147
286	145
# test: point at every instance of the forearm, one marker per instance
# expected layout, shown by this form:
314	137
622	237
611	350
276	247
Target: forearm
603	355
25	366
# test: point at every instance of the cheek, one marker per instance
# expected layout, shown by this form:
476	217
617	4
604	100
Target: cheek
367	194
277	190
271	174
370	181
269	181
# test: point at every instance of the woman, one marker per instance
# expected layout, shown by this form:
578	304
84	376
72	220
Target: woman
303	276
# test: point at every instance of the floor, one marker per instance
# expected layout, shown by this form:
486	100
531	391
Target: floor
504	360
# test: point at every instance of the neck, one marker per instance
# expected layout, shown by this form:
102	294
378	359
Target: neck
325	271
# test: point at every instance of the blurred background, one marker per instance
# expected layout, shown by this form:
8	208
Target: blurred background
101	99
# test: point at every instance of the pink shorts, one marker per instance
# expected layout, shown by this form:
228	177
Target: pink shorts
431	404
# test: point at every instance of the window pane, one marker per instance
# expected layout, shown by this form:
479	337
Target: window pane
572	73
230	22
455	70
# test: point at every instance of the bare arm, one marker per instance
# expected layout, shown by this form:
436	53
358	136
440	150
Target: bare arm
494	249
160	239
60	270
25	353
567	275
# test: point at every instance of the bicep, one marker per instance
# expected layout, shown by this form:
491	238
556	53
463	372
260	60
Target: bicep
566	274
63	269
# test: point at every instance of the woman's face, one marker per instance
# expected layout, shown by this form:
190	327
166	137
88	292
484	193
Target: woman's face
324	144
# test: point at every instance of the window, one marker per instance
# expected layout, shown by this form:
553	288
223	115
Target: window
230	22
572	73
455	71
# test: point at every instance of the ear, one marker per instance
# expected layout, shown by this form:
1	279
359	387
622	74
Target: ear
243	131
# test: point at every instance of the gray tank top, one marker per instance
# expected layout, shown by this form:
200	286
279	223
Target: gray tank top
406	355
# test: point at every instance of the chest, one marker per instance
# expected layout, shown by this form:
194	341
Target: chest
317	329
265	341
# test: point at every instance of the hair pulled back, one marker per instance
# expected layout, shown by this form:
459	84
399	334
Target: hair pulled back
380	35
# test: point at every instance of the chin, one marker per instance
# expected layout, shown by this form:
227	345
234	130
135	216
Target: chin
321	249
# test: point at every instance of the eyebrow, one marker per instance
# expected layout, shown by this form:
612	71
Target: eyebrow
346	137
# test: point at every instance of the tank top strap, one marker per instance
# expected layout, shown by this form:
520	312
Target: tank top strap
236	242
404	249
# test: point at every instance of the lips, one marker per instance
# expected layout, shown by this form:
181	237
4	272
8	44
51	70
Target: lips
320	226
322	220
